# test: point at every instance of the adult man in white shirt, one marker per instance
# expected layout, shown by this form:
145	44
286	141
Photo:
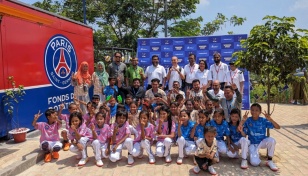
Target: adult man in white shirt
175	73
235	76
155	71
190	71
216	91
219	70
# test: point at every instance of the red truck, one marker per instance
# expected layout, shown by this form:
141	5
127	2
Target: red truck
41	50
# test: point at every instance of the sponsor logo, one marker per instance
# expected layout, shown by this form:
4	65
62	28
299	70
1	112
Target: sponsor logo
227	45
143	54
178	47
166	54
166	42
155	48
143	49
202	47
143	42
60	61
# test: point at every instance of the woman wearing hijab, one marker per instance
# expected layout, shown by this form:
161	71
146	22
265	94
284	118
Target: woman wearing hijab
82	81
100	80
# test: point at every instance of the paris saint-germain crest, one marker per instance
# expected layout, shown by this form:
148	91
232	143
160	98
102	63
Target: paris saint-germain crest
60	61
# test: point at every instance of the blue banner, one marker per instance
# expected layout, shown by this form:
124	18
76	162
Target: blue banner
202	46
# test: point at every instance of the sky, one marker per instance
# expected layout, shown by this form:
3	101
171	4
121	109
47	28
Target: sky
252	10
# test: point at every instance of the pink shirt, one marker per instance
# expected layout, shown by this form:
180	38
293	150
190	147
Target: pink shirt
82	130
87	117
48	132
123	130
149	132
103	133
66	118
165	129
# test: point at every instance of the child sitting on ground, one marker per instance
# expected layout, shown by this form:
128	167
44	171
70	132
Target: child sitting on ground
50	139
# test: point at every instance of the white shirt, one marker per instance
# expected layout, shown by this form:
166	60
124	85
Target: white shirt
220	94
203	76
158	72
219	71
190	72
236	77
175	76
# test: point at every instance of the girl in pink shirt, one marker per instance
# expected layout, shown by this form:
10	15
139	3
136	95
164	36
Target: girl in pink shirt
101	138
50	139
144	137
89	118
79	135
121	137
165	131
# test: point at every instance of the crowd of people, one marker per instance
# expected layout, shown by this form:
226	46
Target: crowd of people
196	108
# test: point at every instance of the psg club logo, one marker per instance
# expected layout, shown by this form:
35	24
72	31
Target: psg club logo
60	61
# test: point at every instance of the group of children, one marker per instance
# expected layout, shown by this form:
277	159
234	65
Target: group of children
203	133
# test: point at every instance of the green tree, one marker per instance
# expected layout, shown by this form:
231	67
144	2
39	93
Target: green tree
187	27
220	21
273	51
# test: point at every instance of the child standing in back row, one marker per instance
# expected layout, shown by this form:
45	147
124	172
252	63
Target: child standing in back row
50	139
255	127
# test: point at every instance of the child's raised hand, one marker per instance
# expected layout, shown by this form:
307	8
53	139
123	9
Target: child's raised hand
188	92
62	106
36	116
73	127
245	116
116	129
180	122
267	116
204	87
233	85
92	127
73	76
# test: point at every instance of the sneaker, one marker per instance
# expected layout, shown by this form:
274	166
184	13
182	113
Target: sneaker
168	159
244	164
99	163
212	170
47	157
83	161
66	146
130	159
272	165
152	160
196	169
179	160
55	155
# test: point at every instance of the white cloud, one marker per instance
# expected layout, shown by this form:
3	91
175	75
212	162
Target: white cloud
204	2
299	5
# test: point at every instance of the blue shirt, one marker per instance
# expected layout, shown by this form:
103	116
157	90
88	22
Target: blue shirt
108	90
186	130
127	108
222	129
234	134
199	133
113	110
256	129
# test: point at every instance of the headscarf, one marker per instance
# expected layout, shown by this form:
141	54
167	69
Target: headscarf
102	75
83	76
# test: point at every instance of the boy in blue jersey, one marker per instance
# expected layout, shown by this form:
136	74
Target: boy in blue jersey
255	128
185	142
237	139
222	131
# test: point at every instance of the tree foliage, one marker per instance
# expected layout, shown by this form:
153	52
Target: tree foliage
274	51
220	21
187	27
